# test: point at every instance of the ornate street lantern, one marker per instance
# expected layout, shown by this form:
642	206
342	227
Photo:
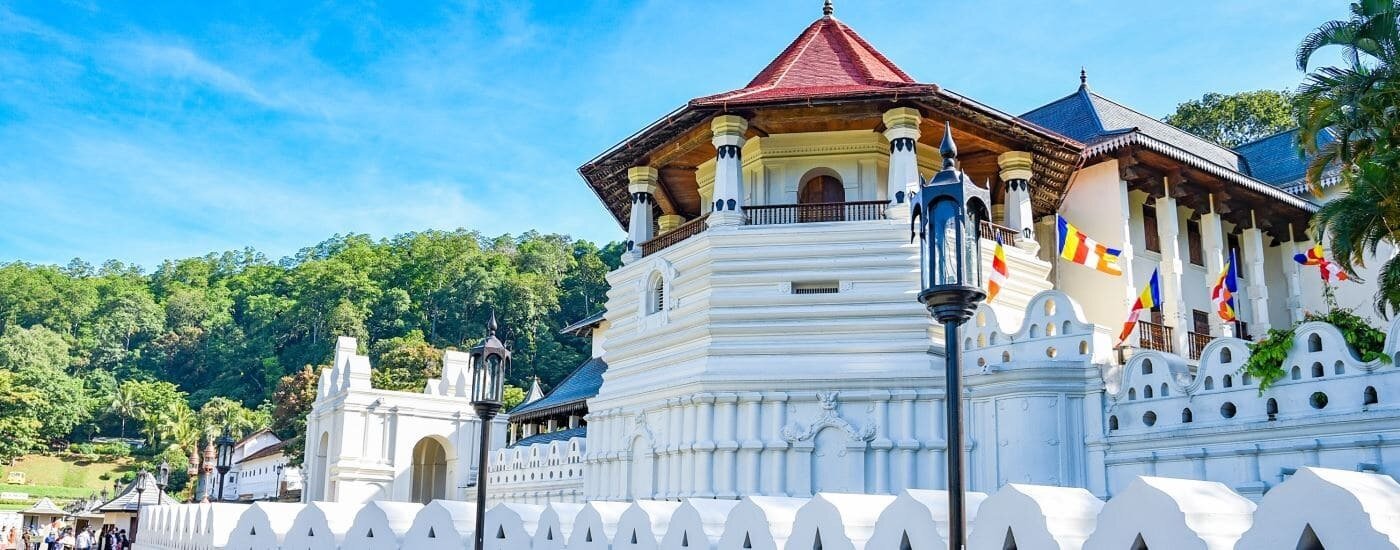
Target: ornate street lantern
224	463
162	478
490	361
949	212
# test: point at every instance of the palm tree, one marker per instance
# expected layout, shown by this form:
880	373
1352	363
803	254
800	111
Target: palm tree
1353	103
181	429
1363	218
125	404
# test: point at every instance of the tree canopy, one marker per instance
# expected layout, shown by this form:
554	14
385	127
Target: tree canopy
90	351
1234	119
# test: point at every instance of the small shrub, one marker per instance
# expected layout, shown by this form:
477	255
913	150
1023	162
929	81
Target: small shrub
1267	354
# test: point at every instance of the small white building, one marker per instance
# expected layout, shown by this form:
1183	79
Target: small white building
260	470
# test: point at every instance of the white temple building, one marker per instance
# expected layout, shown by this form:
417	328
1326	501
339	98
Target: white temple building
763	338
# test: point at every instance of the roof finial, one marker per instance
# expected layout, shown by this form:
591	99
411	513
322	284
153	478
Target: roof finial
948	150
828	9
491	325
1083	78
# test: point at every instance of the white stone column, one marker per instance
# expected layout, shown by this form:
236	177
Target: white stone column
686	448
705	446
728	200
751	442
726	446
1171	269
642	185
902	129
1252	264
1291	268
673	449
1216	254
905	466
1016	173
882	444
775	448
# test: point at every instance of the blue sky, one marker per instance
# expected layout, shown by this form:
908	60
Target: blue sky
149	130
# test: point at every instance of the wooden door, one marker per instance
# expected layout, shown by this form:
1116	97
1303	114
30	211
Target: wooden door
822	199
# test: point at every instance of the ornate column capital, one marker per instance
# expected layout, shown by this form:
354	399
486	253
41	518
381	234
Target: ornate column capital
1015	165
643	179
667	222
902	122
728	130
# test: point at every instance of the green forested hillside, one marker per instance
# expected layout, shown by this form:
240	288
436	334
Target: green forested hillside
200	344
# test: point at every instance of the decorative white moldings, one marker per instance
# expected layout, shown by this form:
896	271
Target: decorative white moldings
829	418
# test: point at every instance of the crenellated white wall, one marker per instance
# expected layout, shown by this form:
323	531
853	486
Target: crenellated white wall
539	473
1315	508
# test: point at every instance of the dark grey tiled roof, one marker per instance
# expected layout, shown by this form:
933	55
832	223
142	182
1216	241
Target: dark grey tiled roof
580	328
561	435
1086	116
1276	160
578	386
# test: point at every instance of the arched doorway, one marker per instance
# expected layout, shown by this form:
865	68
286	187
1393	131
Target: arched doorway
323	478
429	479
826	194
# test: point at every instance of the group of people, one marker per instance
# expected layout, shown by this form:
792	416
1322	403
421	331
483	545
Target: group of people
55	538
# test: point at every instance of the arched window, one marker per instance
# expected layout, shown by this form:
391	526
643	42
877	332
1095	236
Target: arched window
1369	397
1271	408
1339	368
1314	342
1147	367
1228	381
1225	356
1210	383
1164	392
656	295
1185	416
1112	423
1317	370
1147	392
1132	394
1296	373
821	190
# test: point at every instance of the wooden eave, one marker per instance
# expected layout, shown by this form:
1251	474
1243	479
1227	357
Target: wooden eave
679	142
1195	184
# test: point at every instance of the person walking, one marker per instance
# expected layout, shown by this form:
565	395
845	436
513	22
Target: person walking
84	540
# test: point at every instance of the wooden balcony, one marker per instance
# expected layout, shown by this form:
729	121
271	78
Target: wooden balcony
680	233
776	214
992	232
1197	343
1154	336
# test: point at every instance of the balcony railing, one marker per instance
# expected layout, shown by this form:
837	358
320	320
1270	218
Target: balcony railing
992	232
1197	343
773	214
1154	336
680	233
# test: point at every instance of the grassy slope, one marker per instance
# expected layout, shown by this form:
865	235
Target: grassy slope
61	478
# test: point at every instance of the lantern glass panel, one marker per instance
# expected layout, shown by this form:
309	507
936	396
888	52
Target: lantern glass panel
943	261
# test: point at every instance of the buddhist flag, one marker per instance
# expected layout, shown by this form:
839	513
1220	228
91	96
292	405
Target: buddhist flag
999	272
1222	296
1077	247
1324	267
1150	298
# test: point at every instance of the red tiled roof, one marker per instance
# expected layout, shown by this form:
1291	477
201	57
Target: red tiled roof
828	58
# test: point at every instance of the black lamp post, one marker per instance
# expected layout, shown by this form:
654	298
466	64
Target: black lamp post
490	361
277	491
949	211
162	479
224	462
140	488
